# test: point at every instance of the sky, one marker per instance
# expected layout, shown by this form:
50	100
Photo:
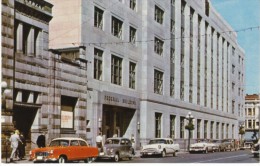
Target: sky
241	14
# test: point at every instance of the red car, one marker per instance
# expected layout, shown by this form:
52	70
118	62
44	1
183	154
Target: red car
63	150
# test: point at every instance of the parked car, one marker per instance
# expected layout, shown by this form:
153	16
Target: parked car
248	144
256	149
229	145
65	149
116	149
160	146
218	145
202	146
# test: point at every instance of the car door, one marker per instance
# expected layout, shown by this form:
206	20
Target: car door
84	148
75	150
169	146
128	147
122	148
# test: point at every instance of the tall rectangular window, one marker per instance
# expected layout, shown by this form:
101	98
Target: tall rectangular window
98	18
205	129
211	130
172	126
158	15
227	127
132	35
117	27
132	4
217	131
98	64
198	128
158	46
116	70
132	76
67	112
223	130
158	119
158	82
182	126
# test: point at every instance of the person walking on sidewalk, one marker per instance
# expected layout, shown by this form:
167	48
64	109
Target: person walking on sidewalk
21	147
41	140
14	139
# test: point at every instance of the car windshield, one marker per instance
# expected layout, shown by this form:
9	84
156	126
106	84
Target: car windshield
157	141
112	141
216	141
59	143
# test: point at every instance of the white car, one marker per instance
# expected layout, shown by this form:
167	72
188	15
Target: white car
160	146
203	146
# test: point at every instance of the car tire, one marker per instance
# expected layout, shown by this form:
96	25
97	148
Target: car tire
116	158
174	154
206	151
62	159
88	160
163	153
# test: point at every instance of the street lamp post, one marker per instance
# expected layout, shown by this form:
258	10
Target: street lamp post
189	127
241	132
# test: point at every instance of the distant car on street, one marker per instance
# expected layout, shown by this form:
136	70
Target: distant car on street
203	146
116	149
160	146
229	145
63	150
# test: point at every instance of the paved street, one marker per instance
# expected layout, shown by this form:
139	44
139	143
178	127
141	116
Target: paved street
241	156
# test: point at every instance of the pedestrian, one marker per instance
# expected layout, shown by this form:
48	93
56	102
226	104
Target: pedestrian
132	139
21	147
14	139
41	140
99	141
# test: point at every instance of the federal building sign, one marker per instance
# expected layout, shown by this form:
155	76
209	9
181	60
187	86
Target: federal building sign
120	100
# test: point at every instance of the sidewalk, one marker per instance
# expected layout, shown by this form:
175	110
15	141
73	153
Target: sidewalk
182	151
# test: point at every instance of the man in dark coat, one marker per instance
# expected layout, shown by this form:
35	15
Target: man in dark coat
41	140
21	147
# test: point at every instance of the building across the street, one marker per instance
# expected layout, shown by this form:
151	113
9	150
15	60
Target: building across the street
252	116
124	67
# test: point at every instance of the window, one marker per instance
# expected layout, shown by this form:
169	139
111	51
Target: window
98	18
222	131
198	128
233	69
158	15
158	82
217	131
158	117
227	130
182	124
116	28
205	129
67	112
172	126
211	130
98	64
132	72
172	86
116	70
172	26
132	35
158	46
132	4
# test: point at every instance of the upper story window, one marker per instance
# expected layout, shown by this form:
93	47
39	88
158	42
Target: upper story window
98	64
158	15
132	75
158	46
117	27
158	82
116	70
98	18
132	35
132	4
233	69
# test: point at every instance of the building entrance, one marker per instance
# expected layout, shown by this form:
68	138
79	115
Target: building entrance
23	118
116	120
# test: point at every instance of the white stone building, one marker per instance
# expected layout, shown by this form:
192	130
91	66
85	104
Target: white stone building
152	62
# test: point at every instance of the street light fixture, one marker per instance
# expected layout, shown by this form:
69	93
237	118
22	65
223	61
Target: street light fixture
189	127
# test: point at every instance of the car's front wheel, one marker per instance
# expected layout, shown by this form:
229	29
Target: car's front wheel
88	160
163	153
62	159
116	158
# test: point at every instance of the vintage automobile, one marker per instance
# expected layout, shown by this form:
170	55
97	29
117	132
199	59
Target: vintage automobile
219	145
202	146
63	150
160	146
229	145
256	149
116	149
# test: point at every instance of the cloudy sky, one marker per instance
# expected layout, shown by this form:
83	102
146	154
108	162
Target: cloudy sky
241	14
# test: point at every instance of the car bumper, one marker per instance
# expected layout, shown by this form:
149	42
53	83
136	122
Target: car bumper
42	159
103	155
197	150
150	153
255	152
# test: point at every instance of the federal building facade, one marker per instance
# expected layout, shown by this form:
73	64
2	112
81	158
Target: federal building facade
139	67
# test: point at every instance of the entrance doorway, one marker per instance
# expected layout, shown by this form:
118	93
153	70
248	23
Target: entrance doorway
116	120
23	117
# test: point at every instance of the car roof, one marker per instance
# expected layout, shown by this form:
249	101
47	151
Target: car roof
69	138
117	138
